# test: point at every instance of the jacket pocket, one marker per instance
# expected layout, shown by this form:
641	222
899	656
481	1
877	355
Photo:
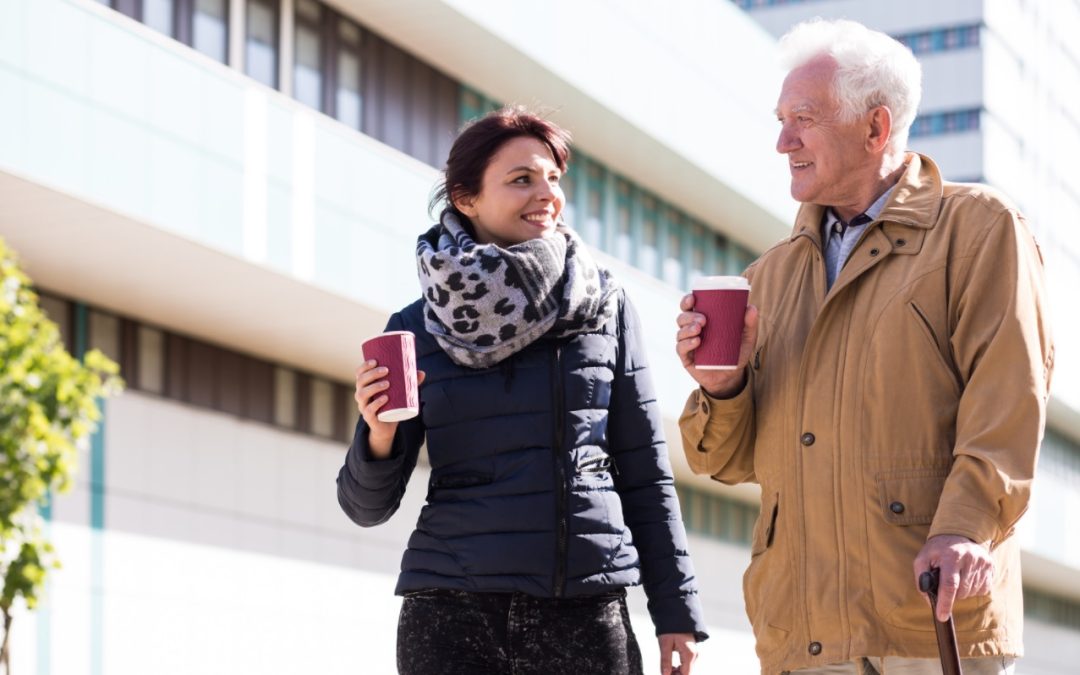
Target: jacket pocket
596	464
765	526
926	327
769	582
460	480
910	497
906	502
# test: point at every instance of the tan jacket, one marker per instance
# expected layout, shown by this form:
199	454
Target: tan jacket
907	401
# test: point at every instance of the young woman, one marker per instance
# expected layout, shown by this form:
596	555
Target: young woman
550	488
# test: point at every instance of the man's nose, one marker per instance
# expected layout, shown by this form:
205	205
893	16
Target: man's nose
787	141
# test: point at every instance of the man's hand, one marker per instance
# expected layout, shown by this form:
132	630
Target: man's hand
717	383
685	644
966	569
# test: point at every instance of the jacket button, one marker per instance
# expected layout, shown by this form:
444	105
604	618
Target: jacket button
896	507
815	648
808	439
874	251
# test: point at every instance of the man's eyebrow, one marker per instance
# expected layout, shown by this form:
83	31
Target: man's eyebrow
802	107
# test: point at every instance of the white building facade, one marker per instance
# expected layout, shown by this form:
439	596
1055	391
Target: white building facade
224	196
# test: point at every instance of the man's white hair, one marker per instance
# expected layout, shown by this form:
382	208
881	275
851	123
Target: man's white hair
872	69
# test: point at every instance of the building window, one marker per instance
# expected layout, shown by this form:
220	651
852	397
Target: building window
284	397
568	183
348	100
105	334
210	28
160	15
624	241
260	50
322	407
151	360
698	248
949	122
754	4
59	312
308	70
593	228
716	516
673	253
941	39
202	24
649	250
351	414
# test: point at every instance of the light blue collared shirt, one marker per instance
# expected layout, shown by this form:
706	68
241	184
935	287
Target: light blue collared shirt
839	241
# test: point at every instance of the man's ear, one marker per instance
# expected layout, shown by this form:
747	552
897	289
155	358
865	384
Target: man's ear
465	203
880	129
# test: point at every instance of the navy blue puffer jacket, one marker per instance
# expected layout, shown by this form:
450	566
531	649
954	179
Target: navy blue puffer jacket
549	475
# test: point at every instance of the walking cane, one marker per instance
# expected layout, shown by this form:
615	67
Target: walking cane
946	631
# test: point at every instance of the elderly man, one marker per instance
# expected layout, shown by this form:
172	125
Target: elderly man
891	389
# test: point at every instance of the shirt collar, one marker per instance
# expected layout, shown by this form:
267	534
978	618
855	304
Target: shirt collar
872	212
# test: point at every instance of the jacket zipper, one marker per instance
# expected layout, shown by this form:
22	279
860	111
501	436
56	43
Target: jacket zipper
560	476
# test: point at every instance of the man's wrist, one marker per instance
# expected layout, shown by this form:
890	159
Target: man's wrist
729	391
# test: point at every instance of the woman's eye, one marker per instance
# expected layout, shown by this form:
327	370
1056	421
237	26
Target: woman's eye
522	179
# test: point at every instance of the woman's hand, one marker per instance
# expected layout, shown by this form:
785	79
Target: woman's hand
683	643
371	386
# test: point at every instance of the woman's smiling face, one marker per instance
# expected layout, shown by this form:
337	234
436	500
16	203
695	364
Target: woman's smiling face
520	198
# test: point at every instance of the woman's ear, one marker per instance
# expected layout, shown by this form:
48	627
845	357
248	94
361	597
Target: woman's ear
465	203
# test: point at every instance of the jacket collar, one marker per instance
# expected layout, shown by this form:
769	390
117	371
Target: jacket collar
915	201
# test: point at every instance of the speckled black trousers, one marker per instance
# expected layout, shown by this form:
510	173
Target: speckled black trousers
444	632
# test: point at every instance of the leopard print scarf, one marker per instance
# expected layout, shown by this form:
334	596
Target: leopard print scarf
484	303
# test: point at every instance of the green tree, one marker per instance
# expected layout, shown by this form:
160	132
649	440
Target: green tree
48	408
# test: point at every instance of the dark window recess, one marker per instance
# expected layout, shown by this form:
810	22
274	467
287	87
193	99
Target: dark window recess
303	403
259	392
231	383
176	361
415	107
205	371
370	84
209	376
129	363
343	422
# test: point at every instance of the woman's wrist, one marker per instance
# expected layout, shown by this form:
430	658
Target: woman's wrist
380	443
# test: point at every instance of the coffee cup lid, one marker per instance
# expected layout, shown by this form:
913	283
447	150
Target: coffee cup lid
389	332
721	283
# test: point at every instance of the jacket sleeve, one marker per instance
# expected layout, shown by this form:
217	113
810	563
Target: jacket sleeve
646	487
718	435
370	490
1004	354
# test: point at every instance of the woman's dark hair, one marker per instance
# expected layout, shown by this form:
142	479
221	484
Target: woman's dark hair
481	139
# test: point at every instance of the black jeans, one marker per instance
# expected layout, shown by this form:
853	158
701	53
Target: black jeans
444	632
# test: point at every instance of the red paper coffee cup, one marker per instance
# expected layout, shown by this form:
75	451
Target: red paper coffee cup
396	351
723	302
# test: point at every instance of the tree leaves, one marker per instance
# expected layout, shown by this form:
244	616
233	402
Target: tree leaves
49	404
